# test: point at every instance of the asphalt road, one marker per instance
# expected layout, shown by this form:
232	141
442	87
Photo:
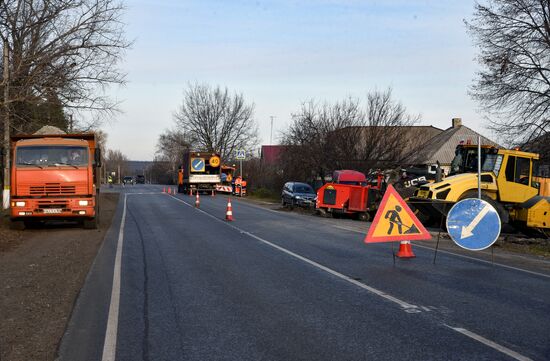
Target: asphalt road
284	286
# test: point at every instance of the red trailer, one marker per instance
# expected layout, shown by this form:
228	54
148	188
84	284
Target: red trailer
350	195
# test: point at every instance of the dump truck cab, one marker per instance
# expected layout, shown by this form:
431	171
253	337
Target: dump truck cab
54	177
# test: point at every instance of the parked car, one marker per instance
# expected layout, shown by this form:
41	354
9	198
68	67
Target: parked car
298	194
140	179
128	180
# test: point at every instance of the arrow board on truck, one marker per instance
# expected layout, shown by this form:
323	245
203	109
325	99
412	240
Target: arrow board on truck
395	222
197	164
473	224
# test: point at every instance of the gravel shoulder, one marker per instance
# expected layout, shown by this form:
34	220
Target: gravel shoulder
41	273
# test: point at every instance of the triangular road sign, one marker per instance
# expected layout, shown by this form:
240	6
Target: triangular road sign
394	221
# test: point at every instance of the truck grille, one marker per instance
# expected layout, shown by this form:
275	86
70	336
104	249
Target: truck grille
52	189
52	204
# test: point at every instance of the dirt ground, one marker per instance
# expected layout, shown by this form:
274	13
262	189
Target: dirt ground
41	272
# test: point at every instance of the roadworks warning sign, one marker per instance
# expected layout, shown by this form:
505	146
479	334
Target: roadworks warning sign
394	221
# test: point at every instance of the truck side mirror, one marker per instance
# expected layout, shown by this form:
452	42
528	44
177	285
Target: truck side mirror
97	157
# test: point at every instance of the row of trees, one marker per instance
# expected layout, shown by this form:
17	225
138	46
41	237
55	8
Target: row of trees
59	57
512	87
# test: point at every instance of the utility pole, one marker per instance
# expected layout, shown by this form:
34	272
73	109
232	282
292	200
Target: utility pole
271	133
6	76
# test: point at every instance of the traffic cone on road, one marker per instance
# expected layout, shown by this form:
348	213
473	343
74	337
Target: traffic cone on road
405	250
212	193
229	211
190	192
164	190
197	201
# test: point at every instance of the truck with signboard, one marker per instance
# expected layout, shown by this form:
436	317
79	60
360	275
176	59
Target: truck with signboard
199	171
55	177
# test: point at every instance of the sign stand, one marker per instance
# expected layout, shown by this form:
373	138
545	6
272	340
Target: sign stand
393	252
438	237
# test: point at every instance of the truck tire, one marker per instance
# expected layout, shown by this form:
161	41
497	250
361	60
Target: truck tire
363	216
17	225
90	223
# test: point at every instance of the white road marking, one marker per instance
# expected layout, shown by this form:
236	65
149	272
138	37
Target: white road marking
490	343
407	307
109	345
460	255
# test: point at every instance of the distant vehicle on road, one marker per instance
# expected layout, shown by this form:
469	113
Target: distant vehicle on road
199	171
298	194
128	180
140	179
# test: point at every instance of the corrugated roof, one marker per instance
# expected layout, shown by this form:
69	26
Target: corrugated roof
442	147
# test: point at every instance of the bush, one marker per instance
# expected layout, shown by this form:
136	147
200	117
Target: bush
265	193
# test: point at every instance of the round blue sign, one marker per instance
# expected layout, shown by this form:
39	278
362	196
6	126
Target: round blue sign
198	164
473	224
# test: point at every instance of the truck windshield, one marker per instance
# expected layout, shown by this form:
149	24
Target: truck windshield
465	160
46	156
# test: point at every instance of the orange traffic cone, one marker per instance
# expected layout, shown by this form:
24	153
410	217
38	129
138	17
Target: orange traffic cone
197	201
212	192
190	192
405	250
164	190
229	211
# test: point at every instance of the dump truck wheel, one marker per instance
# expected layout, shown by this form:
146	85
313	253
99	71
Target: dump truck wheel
17	225
365	217
90	223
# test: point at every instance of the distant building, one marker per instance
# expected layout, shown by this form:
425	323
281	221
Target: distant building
270	154
442	146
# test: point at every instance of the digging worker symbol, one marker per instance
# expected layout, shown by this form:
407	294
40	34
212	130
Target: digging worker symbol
393	216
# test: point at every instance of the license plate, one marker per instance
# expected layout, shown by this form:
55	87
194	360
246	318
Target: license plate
423	194
52	210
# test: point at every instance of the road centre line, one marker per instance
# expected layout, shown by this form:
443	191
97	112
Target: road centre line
109	345
462	256
407	307
490	343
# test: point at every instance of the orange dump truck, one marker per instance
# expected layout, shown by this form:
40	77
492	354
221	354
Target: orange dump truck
55	177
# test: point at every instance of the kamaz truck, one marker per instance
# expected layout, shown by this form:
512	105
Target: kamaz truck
55	177
199	171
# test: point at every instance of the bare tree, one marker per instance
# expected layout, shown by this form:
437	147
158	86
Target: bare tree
320	138
63	54
217	121
386	136
170	148
347	135
116	161
513	86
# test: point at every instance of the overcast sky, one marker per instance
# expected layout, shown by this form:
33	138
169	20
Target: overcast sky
281	53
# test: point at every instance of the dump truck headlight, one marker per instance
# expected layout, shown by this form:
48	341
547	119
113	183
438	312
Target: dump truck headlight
82	203
20	204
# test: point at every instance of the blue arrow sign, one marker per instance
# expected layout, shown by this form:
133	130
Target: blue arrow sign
473	224
197	164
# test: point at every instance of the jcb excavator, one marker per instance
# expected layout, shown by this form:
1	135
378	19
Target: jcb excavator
510	182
